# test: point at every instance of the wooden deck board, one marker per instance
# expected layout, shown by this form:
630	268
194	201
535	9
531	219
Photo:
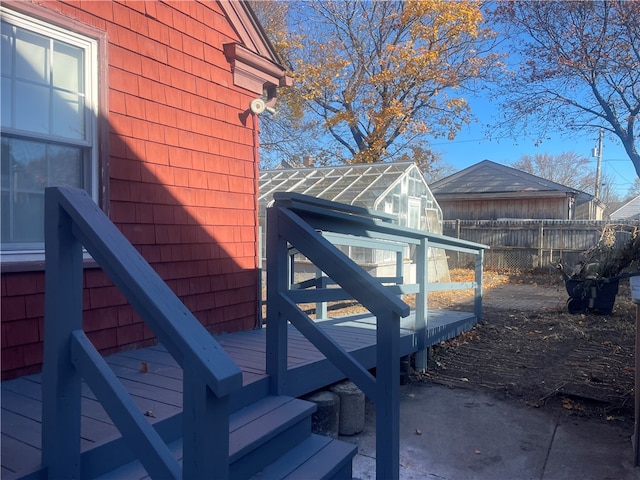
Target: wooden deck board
158	370
25	386
25	406
154	355
24	429
158	391
17	456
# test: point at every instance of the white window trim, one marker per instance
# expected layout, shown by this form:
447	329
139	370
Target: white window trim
35	257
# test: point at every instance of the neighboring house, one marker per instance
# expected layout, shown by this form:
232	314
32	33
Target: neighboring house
146	106
490	191
396	188
628	211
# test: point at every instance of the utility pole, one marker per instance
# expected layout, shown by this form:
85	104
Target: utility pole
599	156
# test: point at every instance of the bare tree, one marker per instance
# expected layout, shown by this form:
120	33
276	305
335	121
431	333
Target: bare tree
431	163
579	67
568	168
634	191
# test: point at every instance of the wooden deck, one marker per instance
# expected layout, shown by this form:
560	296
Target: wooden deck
154	380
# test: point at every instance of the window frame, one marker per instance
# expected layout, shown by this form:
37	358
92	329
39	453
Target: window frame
94	41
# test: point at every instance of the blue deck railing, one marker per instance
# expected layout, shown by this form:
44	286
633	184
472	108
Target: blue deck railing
301	224
74	221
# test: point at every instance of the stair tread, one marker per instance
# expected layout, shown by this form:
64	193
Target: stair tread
249	429
317	457
255	424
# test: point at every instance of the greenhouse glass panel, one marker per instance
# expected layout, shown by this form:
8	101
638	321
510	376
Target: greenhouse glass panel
394	188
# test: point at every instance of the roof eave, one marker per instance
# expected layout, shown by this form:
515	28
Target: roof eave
254	61
500	195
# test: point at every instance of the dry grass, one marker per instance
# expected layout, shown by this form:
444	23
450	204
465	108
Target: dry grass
546	357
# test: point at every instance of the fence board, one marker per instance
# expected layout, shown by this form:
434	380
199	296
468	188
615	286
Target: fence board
527	244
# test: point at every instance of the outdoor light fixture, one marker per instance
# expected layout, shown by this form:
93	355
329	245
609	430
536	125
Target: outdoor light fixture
259	105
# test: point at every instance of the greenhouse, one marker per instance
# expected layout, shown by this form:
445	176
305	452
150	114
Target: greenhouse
395	188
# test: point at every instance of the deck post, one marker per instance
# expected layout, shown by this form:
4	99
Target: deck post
321	282
277	284
291	267
477	302
205	424
388	397
400	265
422	277
540	243
63	314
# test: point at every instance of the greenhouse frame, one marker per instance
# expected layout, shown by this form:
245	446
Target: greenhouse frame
393	188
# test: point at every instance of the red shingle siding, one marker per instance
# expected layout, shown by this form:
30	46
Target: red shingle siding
182	178
21	313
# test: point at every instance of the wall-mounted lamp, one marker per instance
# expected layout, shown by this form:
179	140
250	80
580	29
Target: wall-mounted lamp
259	105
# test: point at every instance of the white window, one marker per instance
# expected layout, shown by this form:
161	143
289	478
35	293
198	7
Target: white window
48	128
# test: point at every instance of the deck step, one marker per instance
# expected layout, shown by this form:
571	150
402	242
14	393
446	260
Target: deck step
318	458
259	434
266	430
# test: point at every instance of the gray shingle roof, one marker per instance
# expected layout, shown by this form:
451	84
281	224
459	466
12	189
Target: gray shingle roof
490	177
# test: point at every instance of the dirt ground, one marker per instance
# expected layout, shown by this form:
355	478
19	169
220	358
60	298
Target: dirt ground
530	349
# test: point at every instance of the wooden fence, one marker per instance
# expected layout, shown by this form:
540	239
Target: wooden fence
530	244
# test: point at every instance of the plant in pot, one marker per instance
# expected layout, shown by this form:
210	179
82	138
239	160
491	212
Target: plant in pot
593	282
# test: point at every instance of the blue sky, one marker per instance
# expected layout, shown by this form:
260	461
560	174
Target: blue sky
472	146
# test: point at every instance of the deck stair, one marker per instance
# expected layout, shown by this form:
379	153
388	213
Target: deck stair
212	437
271	439
220	433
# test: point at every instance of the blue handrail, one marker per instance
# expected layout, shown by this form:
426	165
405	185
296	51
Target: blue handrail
299	223
74	221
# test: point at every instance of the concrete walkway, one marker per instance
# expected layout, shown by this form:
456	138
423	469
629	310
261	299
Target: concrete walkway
456	434
526	297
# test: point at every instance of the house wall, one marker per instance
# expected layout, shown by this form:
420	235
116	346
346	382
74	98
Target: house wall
589	211
492	209
181	173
